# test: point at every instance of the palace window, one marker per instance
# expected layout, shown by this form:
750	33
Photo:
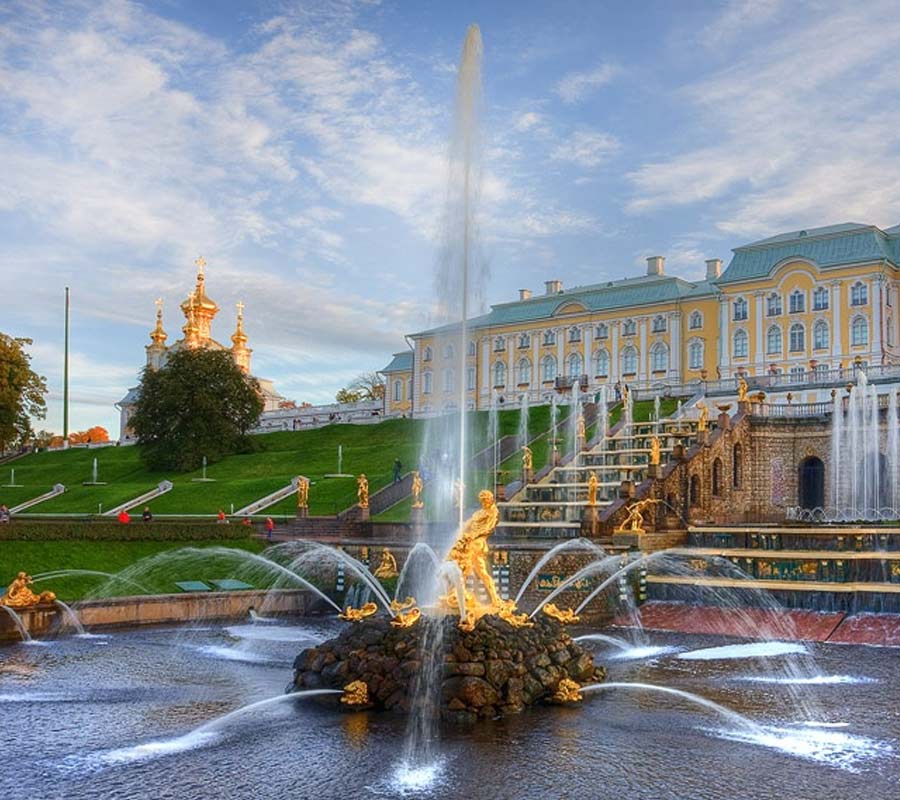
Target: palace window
449	352
427	380
773	305
470	378
601	363
398	391
859	332
773	340
739	309
659	357
524	340
695	354
659	324
603	331
741	344
499	375
574	334
428	354
695	321
549	337
524	372
471	349
820	299
629	328
499	344
629	361
859	294
820	335
448	380
575	365
821	371
797	302
548	369
797	338
797	372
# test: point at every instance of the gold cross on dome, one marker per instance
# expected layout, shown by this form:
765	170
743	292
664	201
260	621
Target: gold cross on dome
158	302
240	308
200	264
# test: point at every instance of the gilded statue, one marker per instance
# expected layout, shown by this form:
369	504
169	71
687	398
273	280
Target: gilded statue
388	566
356	693
634	522
403	605
470	552
654	451
527	458
742	390
567	691
417	487
18	595
358	614
302	492
406	619
703	421
593	485
579	425
362	491
565	616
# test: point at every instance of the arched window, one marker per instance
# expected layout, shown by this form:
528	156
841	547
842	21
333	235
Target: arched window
470	378
695	321
773	305
499	344
574	334
524	340
820	335
471	349
428	354
797	302
820	299
695	354
797	338
449	352
739	309
629	361
659	324
773	340
695	490
409	388
548	369
601	363
499	375
629	327
549	337
659	357
398	391
574	365
524	372
603	331
859	331
717	477
859	294
737	466
741	343
448	380
427	380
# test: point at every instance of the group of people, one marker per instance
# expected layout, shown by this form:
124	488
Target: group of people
146	515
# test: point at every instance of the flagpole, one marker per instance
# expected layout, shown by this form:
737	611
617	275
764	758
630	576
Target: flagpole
66	378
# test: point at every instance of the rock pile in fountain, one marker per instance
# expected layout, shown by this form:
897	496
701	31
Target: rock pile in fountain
491	670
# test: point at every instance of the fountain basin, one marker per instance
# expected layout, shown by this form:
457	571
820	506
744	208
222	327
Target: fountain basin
493	670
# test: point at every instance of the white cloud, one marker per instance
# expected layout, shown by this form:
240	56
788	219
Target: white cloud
528	120
576	86
737	18
586	148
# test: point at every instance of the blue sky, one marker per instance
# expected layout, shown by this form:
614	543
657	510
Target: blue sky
301	149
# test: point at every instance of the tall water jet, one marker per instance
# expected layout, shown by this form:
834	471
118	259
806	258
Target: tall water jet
523	421
554	420
602	414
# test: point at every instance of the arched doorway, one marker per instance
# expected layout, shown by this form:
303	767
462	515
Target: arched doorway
812	483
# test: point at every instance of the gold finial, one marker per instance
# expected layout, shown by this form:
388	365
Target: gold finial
159	305
240	308
201	263
158	335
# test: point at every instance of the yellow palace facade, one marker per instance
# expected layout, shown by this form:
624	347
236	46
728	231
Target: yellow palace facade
803	303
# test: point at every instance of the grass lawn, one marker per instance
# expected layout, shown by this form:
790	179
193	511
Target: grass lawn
106	556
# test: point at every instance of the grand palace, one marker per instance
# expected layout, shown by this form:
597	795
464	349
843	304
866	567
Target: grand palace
799	305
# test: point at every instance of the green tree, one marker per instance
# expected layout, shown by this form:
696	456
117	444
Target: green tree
367	386
198	404
22	392
347	395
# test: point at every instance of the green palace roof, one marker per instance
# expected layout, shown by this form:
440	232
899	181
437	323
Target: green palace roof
401	362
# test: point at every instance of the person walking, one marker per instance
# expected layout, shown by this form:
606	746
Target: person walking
220	517
147	516
123	517
398	469
270	526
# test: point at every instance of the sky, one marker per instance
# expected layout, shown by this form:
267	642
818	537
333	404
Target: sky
301	149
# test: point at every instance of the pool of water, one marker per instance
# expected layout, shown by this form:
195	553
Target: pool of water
117	716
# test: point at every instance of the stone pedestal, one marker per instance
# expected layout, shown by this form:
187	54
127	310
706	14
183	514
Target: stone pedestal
580	444
417	515
724	421
653	471
527	475
703	437
678	452
302	512
363	513
501	492
593	518
744	406
626	490
557	458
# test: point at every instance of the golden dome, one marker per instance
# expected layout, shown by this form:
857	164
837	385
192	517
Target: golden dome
203	304
158	336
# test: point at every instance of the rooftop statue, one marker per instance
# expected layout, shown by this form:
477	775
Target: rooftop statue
703	420
18	595
742	390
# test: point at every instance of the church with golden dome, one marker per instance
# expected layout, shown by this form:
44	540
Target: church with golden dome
199	312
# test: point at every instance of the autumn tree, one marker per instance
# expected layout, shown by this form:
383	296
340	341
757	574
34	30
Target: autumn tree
199	404
92	435
22	392
367	386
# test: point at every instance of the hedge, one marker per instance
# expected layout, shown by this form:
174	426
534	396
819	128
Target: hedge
157	531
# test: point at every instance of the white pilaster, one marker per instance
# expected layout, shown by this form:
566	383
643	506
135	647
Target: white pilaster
877	348
586	339
536	376
724	337
759	351
675	347
643	356
614	352
837	331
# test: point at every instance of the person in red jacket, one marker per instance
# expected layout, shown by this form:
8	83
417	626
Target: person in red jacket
124	517
270	526
220	517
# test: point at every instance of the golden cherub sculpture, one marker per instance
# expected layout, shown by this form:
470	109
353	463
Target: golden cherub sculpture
470	552
593	485
403	605
356	693
634	522
362	491
565	616
417	487
388	566
654	451
527	458
406	619
302	492
703	420
358	614
567	691
742	390
18	595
